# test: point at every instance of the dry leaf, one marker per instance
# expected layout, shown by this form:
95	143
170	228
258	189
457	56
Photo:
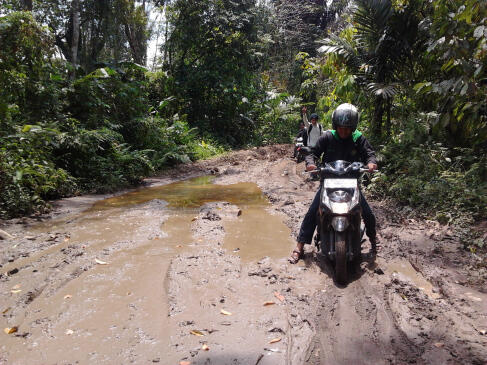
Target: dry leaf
179	246
439	344
99	262
274	340
15	291
193	219
205	347
225	312
10	330
185	363
279	296
268	303
69	332
68	296
482	332
197	333
6	310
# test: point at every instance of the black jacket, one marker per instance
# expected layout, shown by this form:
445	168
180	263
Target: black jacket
303	133
355	148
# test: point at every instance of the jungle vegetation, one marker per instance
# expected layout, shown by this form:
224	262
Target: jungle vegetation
86	105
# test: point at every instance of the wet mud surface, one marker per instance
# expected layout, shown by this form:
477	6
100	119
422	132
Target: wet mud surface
192	269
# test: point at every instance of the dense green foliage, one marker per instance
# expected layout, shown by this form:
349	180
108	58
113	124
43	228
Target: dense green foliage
80	112
95	133
417	71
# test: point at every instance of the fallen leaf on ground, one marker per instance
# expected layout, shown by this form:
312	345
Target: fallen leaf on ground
100	262
439	344
274	340
10	330
68	296
197	333
15	291
185	363
69	332
268	303
179	246
482	332
6	310
193	219
205	347
279	296
223	311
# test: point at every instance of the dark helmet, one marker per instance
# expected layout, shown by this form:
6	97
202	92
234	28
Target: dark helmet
346	115
314	116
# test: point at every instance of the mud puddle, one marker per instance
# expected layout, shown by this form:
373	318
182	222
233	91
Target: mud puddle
406	272
179	280
103	278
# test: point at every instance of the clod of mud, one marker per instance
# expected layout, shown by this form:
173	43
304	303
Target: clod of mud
203	262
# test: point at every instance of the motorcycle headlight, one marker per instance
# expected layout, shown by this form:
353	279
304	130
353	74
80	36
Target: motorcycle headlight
339	224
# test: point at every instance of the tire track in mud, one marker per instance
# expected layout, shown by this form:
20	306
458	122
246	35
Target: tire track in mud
381	317
386	319
354	325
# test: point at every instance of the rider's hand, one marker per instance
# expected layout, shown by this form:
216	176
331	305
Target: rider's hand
372	167
310	167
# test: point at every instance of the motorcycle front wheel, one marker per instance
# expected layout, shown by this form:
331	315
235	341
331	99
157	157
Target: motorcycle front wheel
341	272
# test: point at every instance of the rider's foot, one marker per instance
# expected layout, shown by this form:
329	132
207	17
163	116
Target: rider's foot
297	254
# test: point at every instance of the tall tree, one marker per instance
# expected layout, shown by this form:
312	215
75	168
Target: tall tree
212	58
75	16
384	41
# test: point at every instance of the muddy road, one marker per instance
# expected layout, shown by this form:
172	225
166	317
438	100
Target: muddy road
192	269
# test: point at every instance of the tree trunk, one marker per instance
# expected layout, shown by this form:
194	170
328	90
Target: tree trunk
135	33
26	5
165	60
75	14
388	117
377	121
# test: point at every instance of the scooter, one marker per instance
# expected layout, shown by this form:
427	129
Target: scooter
339	220
298	146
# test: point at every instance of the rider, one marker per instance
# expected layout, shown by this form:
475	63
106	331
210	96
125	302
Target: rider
315	130
303	133
344	142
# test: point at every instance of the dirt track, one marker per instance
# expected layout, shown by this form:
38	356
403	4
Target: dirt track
123	284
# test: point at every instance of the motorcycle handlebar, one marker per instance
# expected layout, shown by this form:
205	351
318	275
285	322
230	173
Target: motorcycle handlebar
322	168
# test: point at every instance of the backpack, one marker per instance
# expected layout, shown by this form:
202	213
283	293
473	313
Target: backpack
311	127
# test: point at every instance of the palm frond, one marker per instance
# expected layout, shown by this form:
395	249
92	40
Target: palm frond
385	91
371	18
343	48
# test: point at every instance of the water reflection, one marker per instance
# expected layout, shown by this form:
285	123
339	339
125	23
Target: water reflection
192	193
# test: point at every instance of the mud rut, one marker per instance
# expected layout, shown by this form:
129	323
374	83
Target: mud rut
70	308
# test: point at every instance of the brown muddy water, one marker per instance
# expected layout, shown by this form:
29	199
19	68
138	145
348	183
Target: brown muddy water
128	242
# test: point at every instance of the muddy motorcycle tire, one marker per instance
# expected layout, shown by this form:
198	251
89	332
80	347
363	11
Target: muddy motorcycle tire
341	262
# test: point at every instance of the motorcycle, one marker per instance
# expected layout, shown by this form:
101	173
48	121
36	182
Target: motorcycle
298	146
339	219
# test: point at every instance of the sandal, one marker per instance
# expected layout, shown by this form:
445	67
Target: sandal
296	255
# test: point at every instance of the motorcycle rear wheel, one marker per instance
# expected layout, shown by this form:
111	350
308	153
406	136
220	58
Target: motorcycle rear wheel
341	269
